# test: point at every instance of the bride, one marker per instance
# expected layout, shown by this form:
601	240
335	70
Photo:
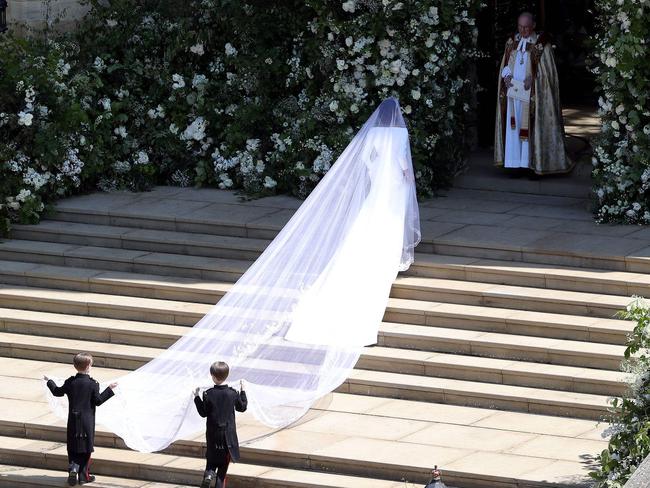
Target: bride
294	324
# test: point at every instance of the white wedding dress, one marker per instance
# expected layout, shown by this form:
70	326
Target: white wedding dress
293	326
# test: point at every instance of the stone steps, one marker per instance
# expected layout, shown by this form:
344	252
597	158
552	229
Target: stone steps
497	353
454	436
466	358
209	245
26	477
496	344
507	272
411	287
26	274
163	469
258	222
376	383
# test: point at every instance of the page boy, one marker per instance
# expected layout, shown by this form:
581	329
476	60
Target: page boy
83	397
218	405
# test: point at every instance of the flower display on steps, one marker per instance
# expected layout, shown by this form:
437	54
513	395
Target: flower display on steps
622	155
144	94
629	431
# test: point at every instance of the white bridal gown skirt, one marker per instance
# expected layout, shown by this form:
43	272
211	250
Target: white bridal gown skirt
341	307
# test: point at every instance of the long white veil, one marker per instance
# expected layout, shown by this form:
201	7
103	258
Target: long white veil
294	324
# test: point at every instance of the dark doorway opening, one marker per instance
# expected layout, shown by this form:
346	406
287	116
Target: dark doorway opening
570	24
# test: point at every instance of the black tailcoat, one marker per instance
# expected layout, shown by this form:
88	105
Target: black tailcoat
218	405
83	397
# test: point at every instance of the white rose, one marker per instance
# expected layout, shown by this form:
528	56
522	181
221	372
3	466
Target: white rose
197	49
415	94
334	105
349	6
25	119
408	109
269	182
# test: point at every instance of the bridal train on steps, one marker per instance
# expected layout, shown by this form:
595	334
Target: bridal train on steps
294	325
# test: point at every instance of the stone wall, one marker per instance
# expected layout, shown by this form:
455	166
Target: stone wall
32	13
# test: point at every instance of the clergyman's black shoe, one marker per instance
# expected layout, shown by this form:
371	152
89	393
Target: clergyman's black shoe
73	472
90	479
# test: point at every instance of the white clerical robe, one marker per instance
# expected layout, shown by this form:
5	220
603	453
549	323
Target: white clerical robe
516	151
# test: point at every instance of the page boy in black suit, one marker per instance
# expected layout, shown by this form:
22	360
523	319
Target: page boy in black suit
83	396
218	405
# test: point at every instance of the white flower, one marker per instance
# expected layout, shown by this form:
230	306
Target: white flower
354	108
173	128
120	131
199	81
99	64
196	130
142	158
340	64
268	61
197	49
23	195
62	68
408	109
611	62
349	6
25	119
178	81
334	105
269	182
230	50
415	94
349	41
105	103
615	125
43	110
111	22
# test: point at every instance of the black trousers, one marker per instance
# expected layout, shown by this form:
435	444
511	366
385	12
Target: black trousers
218	460
83	461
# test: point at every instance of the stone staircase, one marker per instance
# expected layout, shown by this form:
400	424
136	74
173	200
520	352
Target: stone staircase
493	361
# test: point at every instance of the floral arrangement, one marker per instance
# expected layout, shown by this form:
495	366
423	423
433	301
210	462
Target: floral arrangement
622	154
629	443
255	96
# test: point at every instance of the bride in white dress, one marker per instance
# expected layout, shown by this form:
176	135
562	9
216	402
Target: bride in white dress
340	307
293	326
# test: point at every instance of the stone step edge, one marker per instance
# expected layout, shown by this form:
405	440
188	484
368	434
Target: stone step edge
397	384
386	475
379	358
423	261
403	285
156	467
181	316
13	476
438	245
415	312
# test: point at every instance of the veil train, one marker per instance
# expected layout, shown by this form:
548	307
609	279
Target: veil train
293	326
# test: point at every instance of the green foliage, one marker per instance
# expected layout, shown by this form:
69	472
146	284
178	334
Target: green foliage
629	443
622	155
249	95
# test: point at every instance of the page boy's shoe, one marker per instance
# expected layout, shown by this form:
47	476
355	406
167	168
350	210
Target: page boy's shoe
208	476
73	472
90	479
